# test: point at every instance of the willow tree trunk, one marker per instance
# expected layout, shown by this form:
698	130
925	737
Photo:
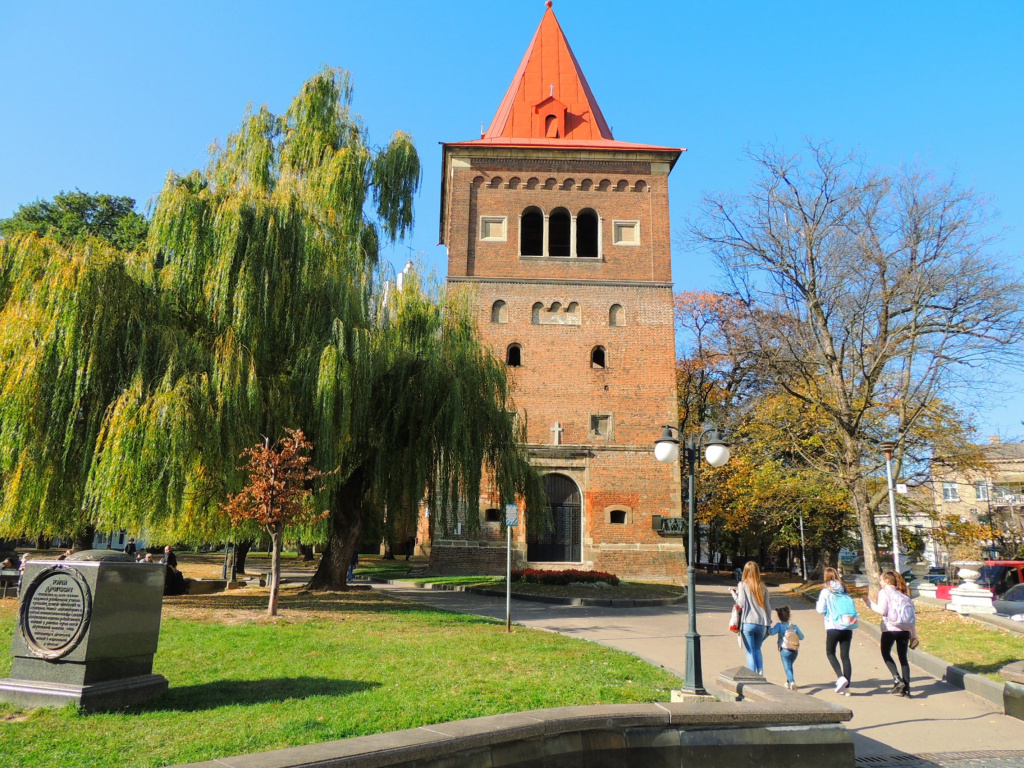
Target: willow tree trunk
346	528
241	550
42	542
83	538
276	537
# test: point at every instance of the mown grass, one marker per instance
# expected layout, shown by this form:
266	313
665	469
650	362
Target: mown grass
331	666
965	643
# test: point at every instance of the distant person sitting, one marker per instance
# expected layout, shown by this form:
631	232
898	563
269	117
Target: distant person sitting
67	553
8	564
174	581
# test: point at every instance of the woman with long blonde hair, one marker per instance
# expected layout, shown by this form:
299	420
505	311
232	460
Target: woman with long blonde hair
755	614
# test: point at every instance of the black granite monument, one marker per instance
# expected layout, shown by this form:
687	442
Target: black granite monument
87	632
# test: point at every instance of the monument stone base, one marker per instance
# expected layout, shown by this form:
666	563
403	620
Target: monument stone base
105	696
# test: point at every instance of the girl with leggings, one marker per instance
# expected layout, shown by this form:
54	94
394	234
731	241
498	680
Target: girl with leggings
898	627
836	636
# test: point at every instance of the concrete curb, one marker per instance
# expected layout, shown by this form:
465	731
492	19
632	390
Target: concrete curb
597	602
990	690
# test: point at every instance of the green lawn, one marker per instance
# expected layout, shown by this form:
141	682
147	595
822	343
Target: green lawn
332	666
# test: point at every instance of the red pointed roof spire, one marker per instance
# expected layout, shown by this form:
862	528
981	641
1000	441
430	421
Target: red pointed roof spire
549	97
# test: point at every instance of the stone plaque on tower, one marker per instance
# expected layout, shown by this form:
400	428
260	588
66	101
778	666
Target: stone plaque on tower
87	633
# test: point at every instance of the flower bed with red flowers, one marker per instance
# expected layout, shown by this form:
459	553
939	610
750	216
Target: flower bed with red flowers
562	578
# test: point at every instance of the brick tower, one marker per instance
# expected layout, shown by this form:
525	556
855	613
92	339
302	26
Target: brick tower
562	234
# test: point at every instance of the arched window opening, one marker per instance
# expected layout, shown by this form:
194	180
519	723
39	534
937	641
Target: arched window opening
559	232
550	183
531	241
551	127
561	539
597	357
604	185
586	184
586	234
616	315
495	182
616	517
514	182
537	309
499	312
478	181
622	186
640	186
532	182
568	183
514	356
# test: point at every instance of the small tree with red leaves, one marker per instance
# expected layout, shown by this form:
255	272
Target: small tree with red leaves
281	480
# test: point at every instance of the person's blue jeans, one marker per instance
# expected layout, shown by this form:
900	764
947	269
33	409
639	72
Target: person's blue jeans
753	635
788	657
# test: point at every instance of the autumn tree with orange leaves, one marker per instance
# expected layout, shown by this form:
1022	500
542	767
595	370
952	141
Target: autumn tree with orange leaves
281	480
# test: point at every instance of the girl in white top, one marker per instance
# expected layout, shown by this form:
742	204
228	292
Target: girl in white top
892	598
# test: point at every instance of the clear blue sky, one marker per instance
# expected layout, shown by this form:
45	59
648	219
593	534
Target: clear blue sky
110	96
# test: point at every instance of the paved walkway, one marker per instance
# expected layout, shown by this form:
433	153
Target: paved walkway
938	719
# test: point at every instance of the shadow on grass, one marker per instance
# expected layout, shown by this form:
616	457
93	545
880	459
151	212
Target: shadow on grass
222	693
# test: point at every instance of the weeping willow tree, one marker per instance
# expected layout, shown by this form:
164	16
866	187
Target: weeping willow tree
425	413
78	323
267	268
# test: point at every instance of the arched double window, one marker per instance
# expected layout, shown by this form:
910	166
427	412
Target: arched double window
586	234
531	234
559	233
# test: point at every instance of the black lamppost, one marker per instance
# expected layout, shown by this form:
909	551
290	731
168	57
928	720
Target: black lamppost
666	450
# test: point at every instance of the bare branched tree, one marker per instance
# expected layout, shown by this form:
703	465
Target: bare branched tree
871	296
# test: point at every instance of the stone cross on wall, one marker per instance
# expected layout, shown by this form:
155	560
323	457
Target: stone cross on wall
556	433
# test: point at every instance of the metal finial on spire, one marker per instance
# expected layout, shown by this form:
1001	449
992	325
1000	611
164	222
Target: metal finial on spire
548	3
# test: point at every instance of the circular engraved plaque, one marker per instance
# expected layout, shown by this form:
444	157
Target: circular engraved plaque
55	612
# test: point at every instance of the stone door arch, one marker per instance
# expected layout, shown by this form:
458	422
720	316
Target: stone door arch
562	542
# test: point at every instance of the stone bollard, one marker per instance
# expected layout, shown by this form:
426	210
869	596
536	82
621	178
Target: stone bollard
1013	691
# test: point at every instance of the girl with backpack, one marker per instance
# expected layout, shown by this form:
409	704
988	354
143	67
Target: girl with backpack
840	613
789	643
755	614
899	625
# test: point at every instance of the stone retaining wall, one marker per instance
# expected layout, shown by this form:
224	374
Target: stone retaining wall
769	727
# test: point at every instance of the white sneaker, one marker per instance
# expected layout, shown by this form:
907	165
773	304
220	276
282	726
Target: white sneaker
842	684
792	686
846	693
788	685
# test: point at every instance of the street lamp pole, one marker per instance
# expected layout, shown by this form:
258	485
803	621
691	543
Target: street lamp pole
888	447
666	450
